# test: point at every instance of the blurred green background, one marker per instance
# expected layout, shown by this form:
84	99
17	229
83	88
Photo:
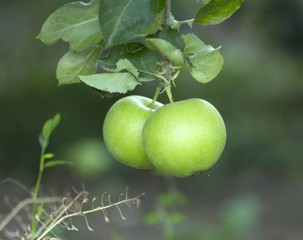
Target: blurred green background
255	191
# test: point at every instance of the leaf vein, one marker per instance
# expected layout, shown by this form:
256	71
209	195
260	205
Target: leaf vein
69	27
119	19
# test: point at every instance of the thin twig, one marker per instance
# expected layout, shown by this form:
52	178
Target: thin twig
52	224
24	203
136	200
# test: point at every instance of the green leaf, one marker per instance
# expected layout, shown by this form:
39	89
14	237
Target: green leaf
116	237
172	36
18	183
109	61
166	199
40	210
170	199
216	11
111	82
47	130
156	24
105	94
203	1
123	20
142	58
152	218
73	64
182	198
166	49
176	217
76	23
48	155
206	61
125	64
161	5
173	23
53	163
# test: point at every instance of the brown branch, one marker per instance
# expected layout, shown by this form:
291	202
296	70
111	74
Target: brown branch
136	200
24	203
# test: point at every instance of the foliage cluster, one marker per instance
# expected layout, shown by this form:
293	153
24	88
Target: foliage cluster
116	45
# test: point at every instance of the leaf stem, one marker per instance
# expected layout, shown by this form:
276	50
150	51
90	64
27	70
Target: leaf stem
188	21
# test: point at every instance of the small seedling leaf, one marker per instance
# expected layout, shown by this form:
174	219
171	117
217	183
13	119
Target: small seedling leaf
73	64
18	183
48	127
76	23
48	155
40	210
54	163
216	11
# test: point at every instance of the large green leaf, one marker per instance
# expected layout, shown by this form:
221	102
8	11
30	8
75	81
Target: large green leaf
123	20
73	64
142	58
216	11
111	82
206	61
76	23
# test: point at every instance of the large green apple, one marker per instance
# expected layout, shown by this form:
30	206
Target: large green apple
122	130
184	137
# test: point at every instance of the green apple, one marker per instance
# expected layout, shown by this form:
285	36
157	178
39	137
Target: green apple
184	137
122	130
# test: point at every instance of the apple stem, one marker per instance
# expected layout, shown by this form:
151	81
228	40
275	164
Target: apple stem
169	94
156	95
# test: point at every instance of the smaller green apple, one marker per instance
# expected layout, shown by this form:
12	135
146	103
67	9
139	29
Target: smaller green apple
184	137
122	130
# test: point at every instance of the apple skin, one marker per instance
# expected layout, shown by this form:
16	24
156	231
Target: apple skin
184	137
122	130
